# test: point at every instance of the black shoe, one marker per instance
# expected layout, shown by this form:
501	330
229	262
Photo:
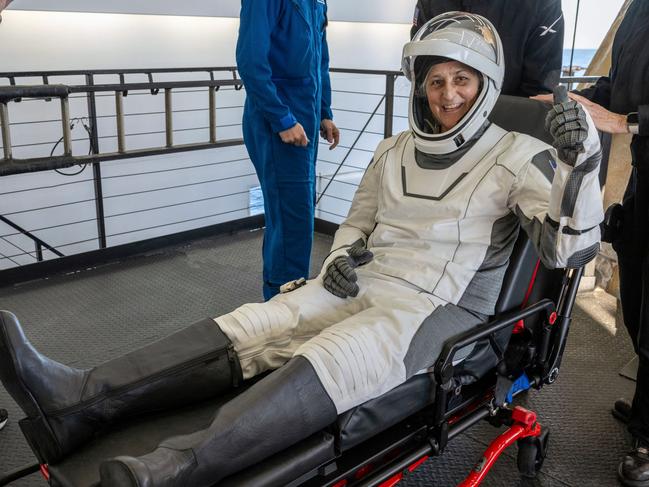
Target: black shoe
65	406
4	417
634	469
622	410
283	408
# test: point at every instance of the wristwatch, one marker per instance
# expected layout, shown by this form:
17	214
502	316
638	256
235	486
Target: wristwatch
633	123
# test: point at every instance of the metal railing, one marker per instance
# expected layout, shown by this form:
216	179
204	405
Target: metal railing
9	165
338	176
355	128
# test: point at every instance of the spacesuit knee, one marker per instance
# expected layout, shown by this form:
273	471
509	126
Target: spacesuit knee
262	335
352	370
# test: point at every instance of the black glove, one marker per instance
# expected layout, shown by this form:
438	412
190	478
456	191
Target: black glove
566	122
340	276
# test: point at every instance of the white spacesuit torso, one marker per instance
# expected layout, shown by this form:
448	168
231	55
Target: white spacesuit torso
449	231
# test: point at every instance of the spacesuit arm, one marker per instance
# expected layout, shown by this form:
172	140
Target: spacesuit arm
258	20
361	219
561	210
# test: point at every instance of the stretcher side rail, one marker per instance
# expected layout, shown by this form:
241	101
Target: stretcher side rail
427	432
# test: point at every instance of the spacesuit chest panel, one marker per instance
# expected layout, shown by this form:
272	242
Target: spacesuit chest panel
435	184
439	239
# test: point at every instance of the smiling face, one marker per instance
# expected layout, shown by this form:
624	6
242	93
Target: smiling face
451	89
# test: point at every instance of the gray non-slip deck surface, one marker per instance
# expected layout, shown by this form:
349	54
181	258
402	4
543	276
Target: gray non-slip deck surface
90	316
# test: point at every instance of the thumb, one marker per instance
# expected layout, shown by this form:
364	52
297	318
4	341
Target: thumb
560	94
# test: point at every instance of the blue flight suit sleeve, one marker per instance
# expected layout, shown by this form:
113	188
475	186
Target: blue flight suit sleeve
325	107
257	21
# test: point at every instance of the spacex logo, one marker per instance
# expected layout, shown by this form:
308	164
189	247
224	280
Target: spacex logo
548	29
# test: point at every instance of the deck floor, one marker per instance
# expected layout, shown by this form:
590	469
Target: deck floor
87	317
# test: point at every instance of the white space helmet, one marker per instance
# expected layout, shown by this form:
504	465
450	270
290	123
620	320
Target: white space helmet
470	39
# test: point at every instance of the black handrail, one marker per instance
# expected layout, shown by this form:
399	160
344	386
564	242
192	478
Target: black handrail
444	366
98	72
27	233
17	92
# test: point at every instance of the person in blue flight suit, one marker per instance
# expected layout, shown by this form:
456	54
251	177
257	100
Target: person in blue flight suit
283	61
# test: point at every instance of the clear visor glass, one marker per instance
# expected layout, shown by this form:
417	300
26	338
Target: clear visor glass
422	116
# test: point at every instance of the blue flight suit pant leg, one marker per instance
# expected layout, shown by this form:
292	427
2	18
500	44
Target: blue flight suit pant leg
287	177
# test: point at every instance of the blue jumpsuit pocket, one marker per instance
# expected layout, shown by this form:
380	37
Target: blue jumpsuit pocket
293	164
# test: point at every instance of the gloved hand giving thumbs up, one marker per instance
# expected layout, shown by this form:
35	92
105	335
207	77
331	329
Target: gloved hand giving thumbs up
566	122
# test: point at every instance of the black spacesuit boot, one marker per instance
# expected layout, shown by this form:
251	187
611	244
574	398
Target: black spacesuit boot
288	405
65	406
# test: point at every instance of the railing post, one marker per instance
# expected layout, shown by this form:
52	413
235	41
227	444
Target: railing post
169	118
39	252
212	91
389	105
65	121
96	167
6	131
119	119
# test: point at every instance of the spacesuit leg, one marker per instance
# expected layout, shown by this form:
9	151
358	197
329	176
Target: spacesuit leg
266	335
65	406
399	332
283	408
363	355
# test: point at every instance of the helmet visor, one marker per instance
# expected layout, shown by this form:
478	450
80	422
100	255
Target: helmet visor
423	117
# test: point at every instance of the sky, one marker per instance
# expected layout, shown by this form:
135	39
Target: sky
595	18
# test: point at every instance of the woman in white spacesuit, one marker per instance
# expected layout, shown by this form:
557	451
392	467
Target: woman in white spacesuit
420	257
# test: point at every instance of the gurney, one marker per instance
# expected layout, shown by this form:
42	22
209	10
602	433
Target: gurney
379	442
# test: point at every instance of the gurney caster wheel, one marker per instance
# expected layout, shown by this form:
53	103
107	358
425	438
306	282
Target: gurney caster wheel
531	453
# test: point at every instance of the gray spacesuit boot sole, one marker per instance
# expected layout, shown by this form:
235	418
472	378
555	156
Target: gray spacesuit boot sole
65	407
283	408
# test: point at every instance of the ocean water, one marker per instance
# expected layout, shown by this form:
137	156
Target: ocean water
580	59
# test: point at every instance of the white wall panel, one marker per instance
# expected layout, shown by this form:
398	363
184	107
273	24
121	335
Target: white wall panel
103	41
38	41
356	11
155	196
